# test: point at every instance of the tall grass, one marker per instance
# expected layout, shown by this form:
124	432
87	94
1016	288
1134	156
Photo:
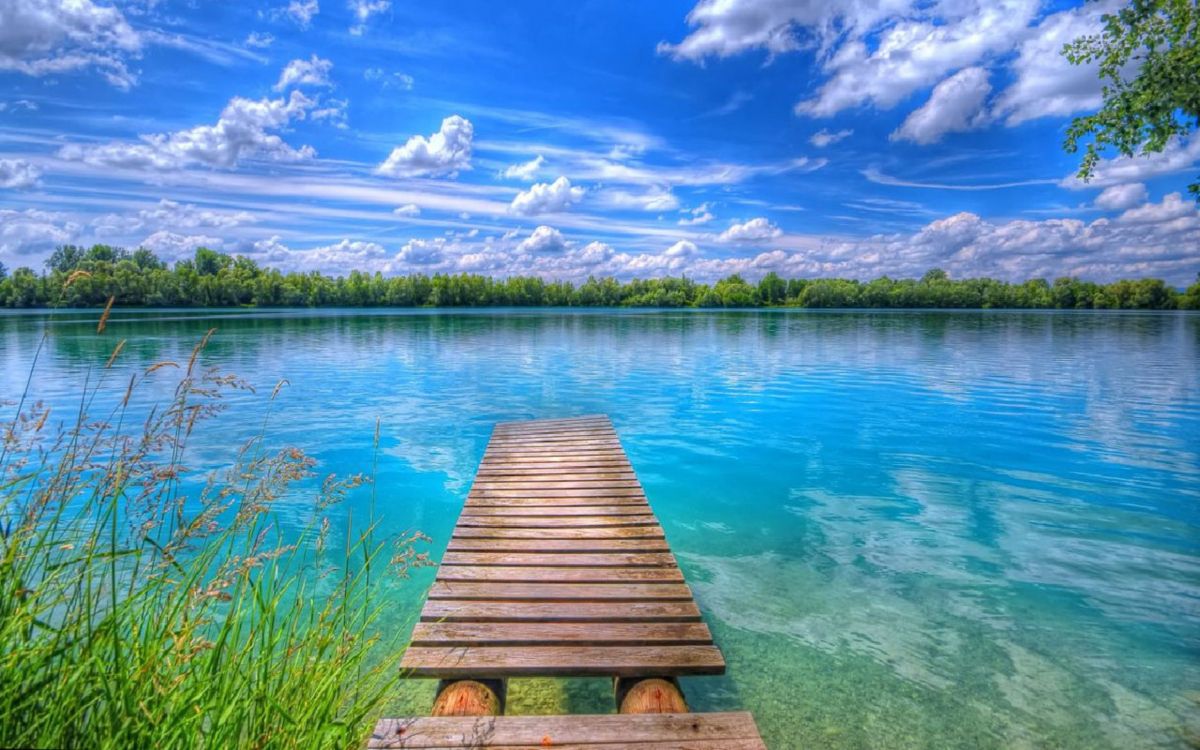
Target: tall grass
140	607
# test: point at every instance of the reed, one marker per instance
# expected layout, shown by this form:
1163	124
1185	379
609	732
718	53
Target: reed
143	607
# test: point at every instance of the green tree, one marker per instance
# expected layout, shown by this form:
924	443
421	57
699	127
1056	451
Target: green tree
1160	41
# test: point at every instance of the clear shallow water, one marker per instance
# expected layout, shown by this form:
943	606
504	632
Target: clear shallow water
905	529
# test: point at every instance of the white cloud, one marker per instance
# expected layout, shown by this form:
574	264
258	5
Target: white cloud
1173	206
526	171
422	252
409	209
654	198
593	252
173	246
914	53
755	230
443	153
168	215
242	131
696	216
1176	156
543	240
311	72
402	80
682	249
823	137
363	10
18	174
955	106
34	231
728	27
259	40
334	113
341	257
547	197
45	37
302	11
1046	84
1119	197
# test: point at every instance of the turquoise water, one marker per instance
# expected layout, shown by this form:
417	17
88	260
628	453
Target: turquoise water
970	529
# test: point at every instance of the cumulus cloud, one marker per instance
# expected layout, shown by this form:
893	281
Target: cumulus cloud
341	256
422	252
1172	207
242	131
823	137
311	72
875	53
696	216
443	153
18	174
1176	156
173	246
169	215
955	106
1046	84
302	11
259	40
33	231
755	230
1120	197
543	240
363	10
526	171
723	28
408	209
547	197
46	37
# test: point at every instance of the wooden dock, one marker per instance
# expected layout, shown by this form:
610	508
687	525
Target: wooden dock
558	567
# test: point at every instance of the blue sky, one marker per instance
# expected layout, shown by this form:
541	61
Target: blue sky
839	138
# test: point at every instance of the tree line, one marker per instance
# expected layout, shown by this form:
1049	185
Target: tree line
88	277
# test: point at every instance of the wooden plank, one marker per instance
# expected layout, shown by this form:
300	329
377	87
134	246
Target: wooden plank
578	732
552	460
552	522
520	473
511	559
513	511
574	574
560	633
645	531
585	483
550	592
514	611
525	492
573	546
564	442
555	501
582	661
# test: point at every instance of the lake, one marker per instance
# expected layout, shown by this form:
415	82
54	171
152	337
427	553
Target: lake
905	529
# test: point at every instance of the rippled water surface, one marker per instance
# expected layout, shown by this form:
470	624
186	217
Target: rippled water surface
905	529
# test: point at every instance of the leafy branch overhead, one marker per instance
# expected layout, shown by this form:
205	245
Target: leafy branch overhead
1156	42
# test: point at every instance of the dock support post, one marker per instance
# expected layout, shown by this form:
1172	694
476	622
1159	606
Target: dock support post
649	695
470	698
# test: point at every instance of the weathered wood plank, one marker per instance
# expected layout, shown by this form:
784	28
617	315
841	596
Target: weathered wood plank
531	492
520	473
552	592
646	531
513	559
514	611
632	509
704	731
584	661
553	522
573	546
520	483
574	574
555	501
560	633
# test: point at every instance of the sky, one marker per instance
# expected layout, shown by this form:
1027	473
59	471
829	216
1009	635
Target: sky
815	138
